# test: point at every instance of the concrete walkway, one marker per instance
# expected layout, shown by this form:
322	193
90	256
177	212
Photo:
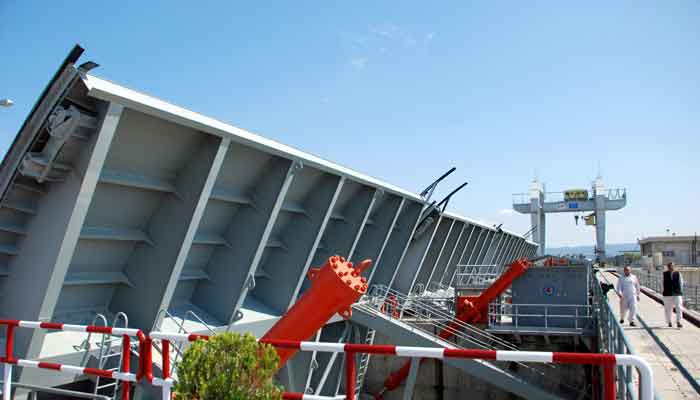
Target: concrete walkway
683	344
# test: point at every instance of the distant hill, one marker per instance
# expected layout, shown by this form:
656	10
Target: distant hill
611	250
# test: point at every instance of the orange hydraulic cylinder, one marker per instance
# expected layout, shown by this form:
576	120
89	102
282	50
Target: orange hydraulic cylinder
334	288
467	311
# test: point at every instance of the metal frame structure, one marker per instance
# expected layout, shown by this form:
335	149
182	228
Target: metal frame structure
538	203
115	201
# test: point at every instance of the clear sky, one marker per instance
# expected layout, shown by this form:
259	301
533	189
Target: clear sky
404	90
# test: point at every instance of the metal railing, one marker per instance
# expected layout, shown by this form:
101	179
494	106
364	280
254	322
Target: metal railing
611	194
475	276
436	287
654	281
616	194
177	351
35	389
430	315
571	316
521	198
122	374
611	338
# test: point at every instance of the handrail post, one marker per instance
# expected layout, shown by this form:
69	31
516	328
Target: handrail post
9	343
9	360
126	365
7	383
621	371
609	382
350	375
165	343
411	381
166	358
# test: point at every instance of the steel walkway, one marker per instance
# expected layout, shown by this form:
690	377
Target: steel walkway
681	352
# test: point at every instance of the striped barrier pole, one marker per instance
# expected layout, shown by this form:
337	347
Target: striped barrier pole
123	374
305	396
608	361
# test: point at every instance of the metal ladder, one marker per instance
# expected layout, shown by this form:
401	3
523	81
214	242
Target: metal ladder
109	352
364	363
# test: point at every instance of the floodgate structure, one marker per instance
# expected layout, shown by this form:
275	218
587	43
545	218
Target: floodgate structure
125	219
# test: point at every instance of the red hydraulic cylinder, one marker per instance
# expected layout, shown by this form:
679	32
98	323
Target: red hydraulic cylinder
473	310
334	288
467	312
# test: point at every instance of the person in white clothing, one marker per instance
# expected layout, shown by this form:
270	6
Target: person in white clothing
673	294
628	290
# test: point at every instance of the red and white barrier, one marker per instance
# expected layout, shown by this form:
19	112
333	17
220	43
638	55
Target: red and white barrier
608	361
145	368
124	375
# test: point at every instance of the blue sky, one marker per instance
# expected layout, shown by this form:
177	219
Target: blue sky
403	91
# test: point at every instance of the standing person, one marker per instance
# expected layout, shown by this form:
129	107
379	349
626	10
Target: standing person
628	290
673	294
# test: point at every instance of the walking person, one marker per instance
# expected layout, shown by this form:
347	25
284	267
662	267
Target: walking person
628	290
673	294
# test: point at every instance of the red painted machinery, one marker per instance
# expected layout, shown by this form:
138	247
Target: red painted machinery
334	288
556	261
471	310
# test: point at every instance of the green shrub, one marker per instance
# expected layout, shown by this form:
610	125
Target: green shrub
228	366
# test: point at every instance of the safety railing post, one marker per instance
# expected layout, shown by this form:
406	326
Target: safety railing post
166	369
621	373
126	365
350	375
411	381
9	343
166	358
9	359
7	382
609	382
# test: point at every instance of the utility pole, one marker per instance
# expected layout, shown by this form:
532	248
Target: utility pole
694	250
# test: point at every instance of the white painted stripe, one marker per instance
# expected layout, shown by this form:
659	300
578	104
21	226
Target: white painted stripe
124	376
74	328
125	331
29	324
315	397
174	337
427	352
28	363
72	369
323	347
525	356
162	382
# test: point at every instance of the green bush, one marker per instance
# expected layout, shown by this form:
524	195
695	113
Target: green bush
228	366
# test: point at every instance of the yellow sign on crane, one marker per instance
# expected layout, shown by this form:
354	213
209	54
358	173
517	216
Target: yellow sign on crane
576	195
590	219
